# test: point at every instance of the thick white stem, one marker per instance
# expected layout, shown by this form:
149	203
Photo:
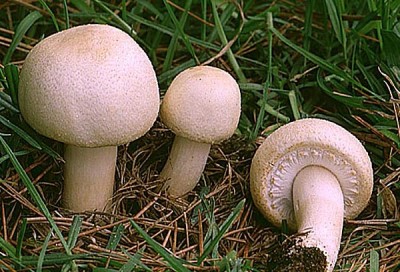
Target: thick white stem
88	177
319	210
184	166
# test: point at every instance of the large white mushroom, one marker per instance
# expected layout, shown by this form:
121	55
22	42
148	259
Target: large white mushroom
91	87
202	107
312	173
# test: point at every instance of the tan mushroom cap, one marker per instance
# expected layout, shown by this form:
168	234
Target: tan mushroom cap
202	104
89	86
302	143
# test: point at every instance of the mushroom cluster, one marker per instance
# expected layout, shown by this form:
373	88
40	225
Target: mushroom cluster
91	87
312	173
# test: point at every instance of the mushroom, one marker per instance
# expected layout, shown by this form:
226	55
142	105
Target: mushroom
93	88
202	107
312	173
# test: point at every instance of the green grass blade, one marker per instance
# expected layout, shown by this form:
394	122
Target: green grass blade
20	239
174	41
50	151
116	18
70	266
208	206
55	258
224	18
53	17
5	97
81	5
391	135
367	24
152	7
74	231
308	24
4	102
10	252
264	104
336	21
8	248
391	50
357	102
123	10
172	261
18	153
222	36
373	261
170	32
294	105
20	132
385	13
204	17
373	82
66	14
12	76
42	253
321	62
184	37
373	7
134	263
222	230
22	28
173	72
273	112
34	193
3	81
115	237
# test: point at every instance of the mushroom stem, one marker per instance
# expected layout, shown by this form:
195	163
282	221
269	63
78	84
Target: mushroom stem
88	177
319	210
184	166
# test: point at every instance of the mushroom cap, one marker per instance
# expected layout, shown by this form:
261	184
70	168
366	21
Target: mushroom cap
202	104
297	145
89	86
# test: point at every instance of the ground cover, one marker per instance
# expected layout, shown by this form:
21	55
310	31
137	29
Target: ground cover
329	59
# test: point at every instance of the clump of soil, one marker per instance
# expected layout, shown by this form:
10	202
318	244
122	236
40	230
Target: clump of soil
292	257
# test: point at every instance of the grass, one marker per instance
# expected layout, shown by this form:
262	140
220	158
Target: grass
331	59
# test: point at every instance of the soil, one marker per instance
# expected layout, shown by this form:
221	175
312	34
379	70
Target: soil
291	257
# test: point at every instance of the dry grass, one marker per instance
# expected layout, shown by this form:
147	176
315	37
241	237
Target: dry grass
173	223
176	223
182	225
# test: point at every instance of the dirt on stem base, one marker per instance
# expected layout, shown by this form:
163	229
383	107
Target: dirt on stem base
290	256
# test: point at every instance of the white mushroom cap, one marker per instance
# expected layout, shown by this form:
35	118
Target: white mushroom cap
89	86
202	104
297	145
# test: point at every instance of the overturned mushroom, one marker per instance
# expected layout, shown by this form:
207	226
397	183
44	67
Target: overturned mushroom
91	87
202	107
312	173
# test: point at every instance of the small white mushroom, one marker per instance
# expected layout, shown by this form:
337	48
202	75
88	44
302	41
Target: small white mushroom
91	87
312	173
202	107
